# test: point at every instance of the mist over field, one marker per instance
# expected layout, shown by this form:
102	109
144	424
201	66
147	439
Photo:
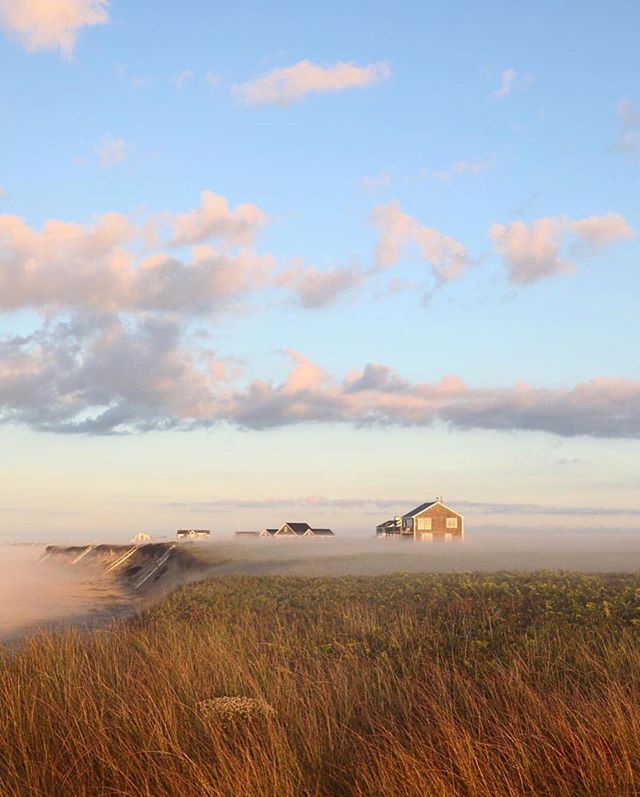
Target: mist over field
35	593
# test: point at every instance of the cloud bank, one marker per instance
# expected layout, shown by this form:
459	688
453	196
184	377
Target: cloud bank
102	375
117	298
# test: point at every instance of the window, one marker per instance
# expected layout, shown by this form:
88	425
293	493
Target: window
426	536
452	522
424	524
447	537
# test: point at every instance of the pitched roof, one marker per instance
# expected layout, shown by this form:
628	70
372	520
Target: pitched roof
419	509
297	528
271	531
322	532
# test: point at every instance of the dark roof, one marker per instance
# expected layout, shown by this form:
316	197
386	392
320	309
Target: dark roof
193	531
322	532
387	524
271	531
419	509
298	528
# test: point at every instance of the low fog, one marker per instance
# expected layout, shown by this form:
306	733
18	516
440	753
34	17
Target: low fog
34	593
586	551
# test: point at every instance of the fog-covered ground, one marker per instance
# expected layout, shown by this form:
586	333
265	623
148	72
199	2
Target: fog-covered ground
34	593
592	551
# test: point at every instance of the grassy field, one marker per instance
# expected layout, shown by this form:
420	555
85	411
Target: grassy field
409	685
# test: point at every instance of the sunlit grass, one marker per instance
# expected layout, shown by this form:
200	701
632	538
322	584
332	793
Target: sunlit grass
416	685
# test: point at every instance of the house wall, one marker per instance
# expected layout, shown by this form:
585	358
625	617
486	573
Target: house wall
285	531
439	514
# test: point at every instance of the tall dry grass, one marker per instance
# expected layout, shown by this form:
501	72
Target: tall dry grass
398	686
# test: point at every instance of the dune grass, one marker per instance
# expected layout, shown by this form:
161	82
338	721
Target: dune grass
407	686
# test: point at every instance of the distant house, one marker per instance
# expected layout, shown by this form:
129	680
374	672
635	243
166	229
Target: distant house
432	521
141	537
246	535
390	528
296	530
193	534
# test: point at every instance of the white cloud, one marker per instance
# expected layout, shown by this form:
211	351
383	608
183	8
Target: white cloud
629	135
287	85
510	81
111	151
540	249
51	24
400	233
182	78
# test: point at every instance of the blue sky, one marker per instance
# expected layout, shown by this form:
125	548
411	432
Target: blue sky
212	219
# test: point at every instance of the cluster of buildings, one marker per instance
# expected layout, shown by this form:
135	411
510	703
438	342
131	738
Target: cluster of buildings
288	530
432	521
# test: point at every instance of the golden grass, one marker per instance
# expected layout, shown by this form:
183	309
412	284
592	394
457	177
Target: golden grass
407	686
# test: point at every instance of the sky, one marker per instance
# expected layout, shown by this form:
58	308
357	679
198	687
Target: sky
267	262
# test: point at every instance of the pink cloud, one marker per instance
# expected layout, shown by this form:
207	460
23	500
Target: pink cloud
64	263
597	231
539	249
100	374
314	288
399	234
287	85
98	267
531	251
215	219
51	24
305	374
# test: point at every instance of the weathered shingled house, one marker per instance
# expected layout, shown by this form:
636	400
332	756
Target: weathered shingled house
430	522
296	530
